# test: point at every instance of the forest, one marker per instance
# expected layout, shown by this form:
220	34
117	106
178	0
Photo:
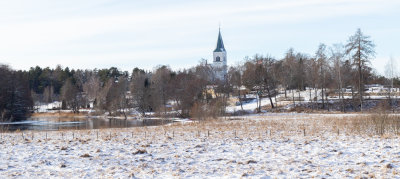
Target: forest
194	92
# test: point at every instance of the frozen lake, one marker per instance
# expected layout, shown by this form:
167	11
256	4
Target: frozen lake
55	123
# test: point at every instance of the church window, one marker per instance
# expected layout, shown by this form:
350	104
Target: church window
218	59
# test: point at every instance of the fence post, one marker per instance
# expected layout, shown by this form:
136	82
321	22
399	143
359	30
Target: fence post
22	135
173	134
304	131
73	135
208	133
32	135
235	133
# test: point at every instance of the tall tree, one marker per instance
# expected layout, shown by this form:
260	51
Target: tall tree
288	72
15	96
336	58
116	99
70	96
235	76
321	57
361	49
160	88
140	91
268	77
48	94
252	79
391	73
92	87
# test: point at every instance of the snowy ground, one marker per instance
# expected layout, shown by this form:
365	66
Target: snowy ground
306	95
222	149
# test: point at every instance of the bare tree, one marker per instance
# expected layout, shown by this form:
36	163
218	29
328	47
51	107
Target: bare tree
321	57
116	99
124	104
252	79
235	75
92	87
361	50
268	77
70	96
312	79
48	94
140	91
391	73
337	55
101	99
289	72
160	88
188	89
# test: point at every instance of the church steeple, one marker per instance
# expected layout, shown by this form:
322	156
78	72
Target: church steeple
220	62
220	44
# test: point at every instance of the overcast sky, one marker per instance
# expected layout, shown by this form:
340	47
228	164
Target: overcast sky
92	34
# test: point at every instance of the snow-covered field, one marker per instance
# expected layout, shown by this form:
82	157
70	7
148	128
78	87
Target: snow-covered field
306	95
218	149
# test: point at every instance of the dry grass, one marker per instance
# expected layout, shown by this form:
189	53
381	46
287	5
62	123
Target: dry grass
369	125
383	125
197	135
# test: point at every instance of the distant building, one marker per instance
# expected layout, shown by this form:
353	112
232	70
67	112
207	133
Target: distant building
219	64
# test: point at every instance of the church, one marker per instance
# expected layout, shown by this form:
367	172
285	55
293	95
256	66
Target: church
219	64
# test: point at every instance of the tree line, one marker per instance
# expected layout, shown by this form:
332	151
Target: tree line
15	96
194	92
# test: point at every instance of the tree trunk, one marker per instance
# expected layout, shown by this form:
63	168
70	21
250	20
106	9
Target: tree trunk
352	98
311	101
343	105
326	99
285	94
299	97
270	98
323	101
316	96
240	100
294	103
123	112
259	101
360	84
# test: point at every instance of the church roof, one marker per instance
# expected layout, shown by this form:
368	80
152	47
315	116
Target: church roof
220	44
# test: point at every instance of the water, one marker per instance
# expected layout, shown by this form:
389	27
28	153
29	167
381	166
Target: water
54	123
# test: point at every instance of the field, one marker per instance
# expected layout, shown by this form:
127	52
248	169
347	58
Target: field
281	146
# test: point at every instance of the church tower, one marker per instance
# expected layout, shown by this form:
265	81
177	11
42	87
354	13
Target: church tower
220	62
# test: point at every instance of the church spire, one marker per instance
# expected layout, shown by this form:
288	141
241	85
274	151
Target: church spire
220	43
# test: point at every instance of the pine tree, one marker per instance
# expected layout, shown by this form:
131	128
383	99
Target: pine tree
361	49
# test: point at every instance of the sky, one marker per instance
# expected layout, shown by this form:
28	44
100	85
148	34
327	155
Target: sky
135	33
